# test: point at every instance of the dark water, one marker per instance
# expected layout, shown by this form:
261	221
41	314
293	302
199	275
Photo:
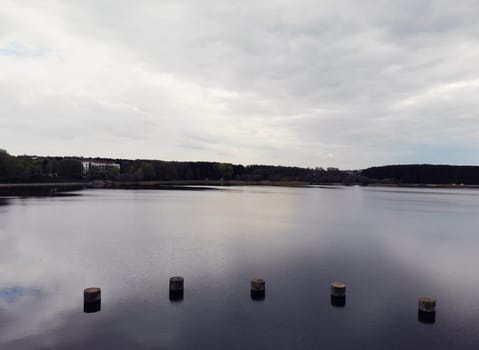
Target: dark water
389	246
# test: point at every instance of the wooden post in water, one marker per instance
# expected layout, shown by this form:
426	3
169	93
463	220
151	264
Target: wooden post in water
91	300
427	304
258	285
338	294
91	295
338	289
258	288
177	285
426	310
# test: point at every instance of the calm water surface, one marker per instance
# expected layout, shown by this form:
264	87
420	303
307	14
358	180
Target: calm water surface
389	245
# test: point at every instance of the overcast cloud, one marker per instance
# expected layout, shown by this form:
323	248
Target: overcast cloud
310	83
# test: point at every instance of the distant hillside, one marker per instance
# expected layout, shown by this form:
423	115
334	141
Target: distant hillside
424	174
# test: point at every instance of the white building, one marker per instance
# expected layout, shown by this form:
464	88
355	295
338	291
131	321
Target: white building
98	165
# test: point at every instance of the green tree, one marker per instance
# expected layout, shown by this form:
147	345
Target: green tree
149	172
23	169
113	173
138	175
226	170
70	168
7	164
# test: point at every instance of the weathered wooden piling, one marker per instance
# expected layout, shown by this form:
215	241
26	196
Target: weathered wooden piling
338	294
91	295
427	304
258	285
91	300
338	289
177	285
258	289
426	310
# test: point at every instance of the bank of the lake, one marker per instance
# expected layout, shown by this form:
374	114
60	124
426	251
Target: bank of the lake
153	184
180	183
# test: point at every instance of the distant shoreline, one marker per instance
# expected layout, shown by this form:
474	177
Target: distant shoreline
152	184
40	184
180	183
423	185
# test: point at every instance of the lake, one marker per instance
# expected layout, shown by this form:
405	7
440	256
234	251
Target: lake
389	245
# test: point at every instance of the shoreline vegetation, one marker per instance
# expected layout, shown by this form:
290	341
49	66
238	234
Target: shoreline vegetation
35	171
208	184
161	184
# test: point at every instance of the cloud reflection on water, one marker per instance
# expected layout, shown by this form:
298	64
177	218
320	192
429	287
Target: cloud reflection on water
11	295
289	318
299	240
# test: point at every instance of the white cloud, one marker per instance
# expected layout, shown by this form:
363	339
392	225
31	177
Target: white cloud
313	83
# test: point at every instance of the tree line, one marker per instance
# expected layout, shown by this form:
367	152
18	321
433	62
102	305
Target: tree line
27	168
46	169
52	169
424	174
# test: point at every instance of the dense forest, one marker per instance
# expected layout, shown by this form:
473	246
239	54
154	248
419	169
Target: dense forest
26	168
52	169
62	169
424	174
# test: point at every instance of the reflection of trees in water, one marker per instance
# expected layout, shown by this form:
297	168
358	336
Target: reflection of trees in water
47	191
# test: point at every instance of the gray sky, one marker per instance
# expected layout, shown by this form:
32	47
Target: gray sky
309	83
